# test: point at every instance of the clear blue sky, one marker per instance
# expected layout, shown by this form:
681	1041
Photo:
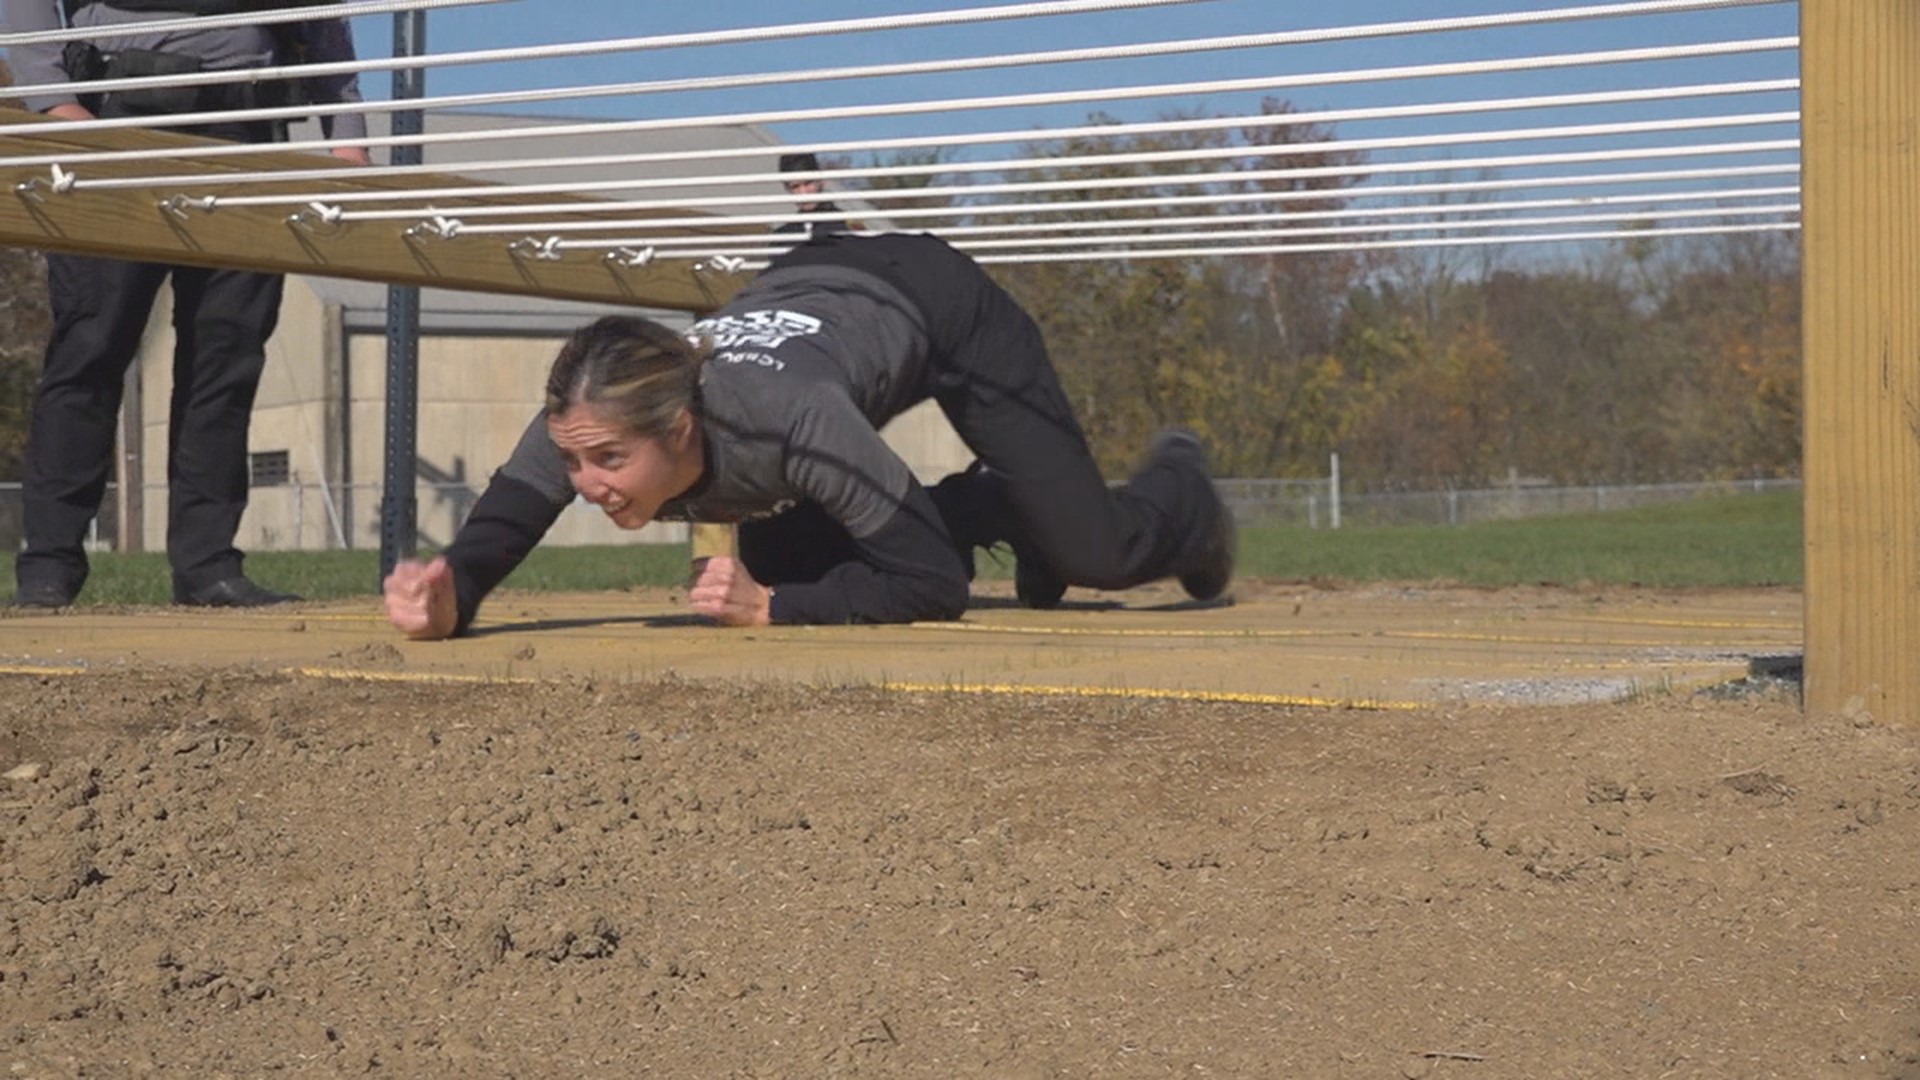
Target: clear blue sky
531	22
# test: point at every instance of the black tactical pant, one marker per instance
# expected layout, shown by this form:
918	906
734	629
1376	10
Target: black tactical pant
221	320
1041	491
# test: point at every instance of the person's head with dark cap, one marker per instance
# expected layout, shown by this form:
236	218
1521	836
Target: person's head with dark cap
807	189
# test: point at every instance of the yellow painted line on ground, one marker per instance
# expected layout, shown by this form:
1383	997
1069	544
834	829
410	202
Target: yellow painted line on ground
1084	631
1329	632
42	669
1784	626
363	675
1225	696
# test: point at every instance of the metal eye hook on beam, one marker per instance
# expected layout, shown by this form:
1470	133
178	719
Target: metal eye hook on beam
527	247
59	182
316	217
178	205
720	264
437	226
629	258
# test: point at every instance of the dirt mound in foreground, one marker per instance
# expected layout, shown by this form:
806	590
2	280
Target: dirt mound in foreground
241	873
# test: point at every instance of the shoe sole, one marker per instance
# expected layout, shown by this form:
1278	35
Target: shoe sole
1211	580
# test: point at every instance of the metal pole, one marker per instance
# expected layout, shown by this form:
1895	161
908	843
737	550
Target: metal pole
1333	488
399	507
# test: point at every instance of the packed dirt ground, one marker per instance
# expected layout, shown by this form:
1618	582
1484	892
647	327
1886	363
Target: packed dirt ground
243	871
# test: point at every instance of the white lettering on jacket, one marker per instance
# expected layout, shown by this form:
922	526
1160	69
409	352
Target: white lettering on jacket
754	329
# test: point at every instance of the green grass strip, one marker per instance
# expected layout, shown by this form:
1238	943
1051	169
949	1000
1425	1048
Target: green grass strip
1727	541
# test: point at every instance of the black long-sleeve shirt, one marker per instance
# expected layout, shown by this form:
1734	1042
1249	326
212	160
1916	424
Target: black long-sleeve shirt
809	362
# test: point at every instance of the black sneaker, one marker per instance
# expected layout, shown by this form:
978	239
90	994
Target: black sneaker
236	591
44	594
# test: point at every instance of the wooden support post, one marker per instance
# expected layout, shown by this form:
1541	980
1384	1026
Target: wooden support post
711	540
1860	90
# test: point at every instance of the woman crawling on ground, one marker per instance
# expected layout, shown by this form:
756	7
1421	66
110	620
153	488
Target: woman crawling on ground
768	414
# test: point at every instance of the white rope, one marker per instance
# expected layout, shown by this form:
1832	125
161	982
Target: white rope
1455	214
925	67
1093	254
1160	235
543	241
1017	136
612	45
1491	225
1433	242
1103	248
1106	94
1441	165
1350	195
345	9
1347	146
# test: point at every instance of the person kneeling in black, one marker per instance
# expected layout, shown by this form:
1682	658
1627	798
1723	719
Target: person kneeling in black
769	414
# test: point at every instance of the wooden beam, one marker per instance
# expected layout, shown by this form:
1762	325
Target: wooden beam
134	223
1860	105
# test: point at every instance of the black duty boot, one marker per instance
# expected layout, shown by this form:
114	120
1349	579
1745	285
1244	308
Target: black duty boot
974	506
236	591
1209	573
44	593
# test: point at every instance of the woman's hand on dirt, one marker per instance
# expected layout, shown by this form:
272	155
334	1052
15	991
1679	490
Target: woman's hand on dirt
420	599
723	590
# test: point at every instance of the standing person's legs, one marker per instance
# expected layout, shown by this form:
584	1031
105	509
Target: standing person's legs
100	308
222	319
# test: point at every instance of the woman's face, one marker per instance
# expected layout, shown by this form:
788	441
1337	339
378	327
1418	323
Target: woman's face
627	476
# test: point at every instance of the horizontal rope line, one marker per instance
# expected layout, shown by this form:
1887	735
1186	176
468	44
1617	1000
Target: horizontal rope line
1078	161
1105	94
959	16
1161	202
752	260
345	9
1484	228
1495	225
1308	249
1022	136
810	76
1206	228
1459	213
1106	183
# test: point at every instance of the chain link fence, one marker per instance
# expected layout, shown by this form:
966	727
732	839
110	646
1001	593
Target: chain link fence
1320	504
305	516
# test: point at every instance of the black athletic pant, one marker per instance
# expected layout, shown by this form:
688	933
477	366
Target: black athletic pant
221	321
998	388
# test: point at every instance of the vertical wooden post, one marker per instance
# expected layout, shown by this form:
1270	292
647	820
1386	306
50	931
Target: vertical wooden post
711	540
1860	112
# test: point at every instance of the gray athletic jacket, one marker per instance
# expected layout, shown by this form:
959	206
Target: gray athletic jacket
809	362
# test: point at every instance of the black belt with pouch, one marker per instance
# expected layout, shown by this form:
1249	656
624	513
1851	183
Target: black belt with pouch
85	63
